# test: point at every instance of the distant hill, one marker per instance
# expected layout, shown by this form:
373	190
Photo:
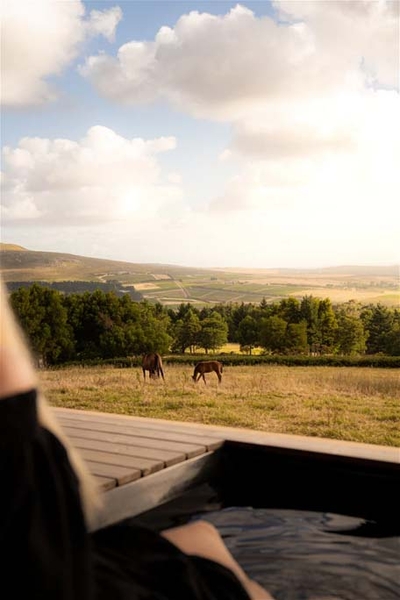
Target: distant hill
351	270
172	284
11	247
27	265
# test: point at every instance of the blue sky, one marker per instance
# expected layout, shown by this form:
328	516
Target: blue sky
202	133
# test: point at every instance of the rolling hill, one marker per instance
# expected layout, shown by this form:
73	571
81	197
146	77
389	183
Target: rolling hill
172	284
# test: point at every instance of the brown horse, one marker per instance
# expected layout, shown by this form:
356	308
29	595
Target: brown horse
152	362
207	366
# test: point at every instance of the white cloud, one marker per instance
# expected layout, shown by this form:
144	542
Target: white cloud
348	150
307	95
314	149
40	39
103	177
223	67
104	22
175	177
348	33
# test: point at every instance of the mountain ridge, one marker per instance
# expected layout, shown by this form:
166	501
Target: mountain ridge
13	261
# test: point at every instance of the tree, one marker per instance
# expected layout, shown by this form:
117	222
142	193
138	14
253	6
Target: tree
248	334
44	320
350	334
309	313
214	332
273	334
186	333
93	316
239	312
155	330
181	313
327	327
378	321
296	338
289	310
393	338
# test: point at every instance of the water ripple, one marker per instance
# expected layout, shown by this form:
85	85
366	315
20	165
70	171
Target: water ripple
301	555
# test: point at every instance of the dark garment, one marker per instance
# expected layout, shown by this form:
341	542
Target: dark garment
45	549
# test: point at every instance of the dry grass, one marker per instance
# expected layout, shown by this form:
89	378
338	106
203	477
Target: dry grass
357	404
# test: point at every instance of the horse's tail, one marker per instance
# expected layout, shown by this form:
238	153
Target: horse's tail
222	367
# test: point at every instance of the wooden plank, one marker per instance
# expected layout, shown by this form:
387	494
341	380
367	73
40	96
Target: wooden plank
143	464
193	429
190	450
121	474
105	483
149	492
167	458
358	450
144	430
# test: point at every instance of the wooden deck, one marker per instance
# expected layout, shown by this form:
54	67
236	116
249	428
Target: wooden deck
121	449
141	463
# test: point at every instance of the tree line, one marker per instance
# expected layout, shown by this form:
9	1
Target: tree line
101	325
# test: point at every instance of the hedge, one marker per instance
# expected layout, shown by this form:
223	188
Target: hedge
232	360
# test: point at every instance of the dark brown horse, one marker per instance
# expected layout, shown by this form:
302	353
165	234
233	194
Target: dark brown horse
207	366
152	362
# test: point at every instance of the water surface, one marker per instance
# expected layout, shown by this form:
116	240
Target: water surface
301	555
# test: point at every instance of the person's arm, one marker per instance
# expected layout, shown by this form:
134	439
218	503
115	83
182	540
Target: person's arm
16	375
202	539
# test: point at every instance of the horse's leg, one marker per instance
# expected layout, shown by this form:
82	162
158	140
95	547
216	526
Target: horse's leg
219	376
204	378
144	373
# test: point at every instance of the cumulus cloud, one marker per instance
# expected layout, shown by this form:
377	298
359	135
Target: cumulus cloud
351	33
307	92
312	98
340	122
40	39
223	66
104	22
349	157
99	178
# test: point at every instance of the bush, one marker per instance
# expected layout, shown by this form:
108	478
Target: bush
233	360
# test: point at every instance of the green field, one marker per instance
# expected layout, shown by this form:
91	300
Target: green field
173	284
357	404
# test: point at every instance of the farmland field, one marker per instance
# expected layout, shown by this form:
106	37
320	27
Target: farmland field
172	284
356	404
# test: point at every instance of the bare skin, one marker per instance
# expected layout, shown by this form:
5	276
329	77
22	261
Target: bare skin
14	380
202	539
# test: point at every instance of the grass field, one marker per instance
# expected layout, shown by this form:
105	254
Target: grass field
175	284
356	404
208	292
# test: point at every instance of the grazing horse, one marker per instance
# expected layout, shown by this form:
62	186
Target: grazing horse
152	362
207	366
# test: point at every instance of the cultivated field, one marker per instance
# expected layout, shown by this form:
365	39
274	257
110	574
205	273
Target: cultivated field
172	284
357	404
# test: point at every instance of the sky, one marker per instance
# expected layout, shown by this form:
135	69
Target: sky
208	134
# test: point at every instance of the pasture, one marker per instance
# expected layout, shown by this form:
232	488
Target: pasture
171	284
346	403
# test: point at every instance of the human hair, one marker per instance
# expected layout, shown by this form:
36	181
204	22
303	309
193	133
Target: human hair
18	373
